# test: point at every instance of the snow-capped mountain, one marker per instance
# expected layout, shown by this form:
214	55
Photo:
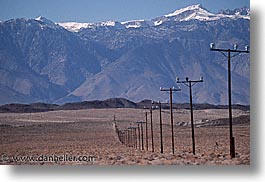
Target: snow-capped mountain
74	26
238	11
193	12
43	61
197	12
44	22
136	24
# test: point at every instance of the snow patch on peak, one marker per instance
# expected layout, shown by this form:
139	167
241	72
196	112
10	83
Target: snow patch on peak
159	22
44	20
197	7
39	18
193	12
137	24
75	26
134	23
108	23
197	12
238	11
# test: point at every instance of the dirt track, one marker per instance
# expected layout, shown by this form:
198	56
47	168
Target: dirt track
91	133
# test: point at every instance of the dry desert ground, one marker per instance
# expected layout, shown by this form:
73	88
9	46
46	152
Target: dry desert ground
92	133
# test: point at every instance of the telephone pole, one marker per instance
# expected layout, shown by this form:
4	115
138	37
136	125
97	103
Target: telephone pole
161	128
190	83
152	131
146	131
171	90
228	56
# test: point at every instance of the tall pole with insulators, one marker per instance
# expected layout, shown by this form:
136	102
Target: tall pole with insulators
161	128
190	84
171	90
237	52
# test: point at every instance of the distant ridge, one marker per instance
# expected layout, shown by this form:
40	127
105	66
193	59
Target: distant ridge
98	104
27	108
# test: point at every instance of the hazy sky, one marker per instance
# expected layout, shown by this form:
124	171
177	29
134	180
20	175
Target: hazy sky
101	10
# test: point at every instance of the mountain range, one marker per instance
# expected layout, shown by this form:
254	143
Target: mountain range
44	61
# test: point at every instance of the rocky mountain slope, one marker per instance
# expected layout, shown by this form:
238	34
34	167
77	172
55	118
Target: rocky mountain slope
43	61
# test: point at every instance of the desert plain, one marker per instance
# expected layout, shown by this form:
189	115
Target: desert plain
91	132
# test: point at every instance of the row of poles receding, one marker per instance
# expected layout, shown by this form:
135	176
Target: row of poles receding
133	136
129	136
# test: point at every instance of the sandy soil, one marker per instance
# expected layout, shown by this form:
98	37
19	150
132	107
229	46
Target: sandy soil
91	133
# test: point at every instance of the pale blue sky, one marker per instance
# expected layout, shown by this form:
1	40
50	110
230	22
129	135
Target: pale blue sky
101	10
